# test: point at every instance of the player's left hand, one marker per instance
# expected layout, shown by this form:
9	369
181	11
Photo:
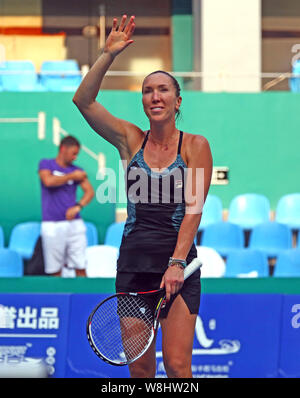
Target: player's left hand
172	281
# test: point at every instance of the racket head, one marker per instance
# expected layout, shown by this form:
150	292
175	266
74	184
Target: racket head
122	327
105	327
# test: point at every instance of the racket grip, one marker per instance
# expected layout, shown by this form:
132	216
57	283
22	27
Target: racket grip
192	267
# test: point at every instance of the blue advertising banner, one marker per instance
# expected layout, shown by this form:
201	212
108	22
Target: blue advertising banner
81	360
34	331
289	364
236	336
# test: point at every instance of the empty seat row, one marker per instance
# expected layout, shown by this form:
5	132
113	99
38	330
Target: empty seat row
245	211
23	239
244	263
21	246
248	263
24	236
223	253
269	237
54	76
102	260
248	210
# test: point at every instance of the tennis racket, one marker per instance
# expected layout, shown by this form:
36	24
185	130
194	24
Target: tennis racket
122	327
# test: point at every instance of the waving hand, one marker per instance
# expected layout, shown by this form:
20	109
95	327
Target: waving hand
111	128
119	37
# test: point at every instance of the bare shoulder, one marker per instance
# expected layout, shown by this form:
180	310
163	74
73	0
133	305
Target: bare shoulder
195	145
195	139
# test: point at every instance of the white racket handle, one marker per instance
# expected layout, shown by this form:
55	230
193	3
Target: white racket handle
192	267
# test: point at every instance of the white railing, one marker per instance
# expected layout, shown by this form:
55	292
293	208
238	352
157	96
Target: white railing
119	73
29	72
40	120
268	75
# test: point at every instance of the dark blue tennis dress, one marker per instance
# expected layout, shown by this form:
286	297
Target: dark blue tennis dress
156	207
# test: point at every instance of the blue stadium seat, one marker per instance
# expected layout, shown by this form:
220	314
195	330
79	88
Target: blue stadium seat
247	263
20	76
288	210
1	237
271	238
248	210
223	237
91	234
60	75
212	211
288	264
23	238
11	263
114	234
294	82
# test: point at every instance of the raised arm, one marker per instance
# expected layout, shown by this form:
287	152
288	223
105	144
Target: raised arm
111	128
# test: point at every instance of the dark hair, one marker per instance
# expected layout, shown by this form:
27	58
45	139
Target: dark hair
174	81
69	141
175	84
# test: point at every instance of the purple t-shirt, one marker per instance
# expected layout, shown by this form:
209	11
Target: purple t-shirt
56	200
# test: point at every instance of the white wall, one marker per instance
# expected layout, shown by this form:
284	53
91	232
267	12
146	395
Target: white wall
231	45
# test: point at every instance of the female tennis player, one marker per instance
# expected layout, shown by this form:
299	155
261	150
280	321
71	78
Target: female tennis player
168	176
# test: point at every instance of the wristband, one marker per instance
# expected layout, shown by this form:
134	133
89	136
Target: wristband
177	262
78	204
178	265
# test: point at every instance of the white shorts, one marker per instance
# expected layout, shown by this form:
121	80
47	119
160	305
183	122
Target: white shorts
64	244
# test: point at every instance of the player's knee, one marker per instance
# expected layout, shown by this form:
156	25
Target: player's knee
142	370
178	367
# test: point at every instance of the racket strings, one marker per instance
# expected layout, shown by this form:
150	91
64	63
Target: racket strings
122	328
